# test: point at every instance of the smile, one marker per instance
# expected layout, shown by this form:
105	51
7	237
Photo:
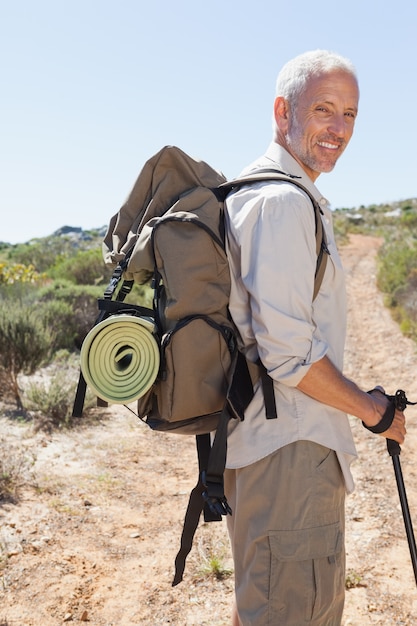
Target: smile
330	146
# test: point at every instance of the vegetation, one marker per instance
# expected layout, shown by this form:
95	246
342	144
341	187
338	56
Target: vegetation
24	343
48	303
50	399
86	268
19	273
49	289
397	258
353	579
213	557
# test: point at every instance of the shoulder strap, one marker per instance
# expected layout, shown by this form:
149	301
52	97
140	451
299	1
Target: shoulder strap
268	174
265	174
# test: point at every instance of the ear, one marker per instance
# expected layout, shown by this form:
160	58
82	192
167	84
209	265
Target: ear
281	112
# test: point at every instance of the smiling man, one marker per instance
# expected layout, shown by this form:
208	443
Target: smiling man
317	128
286	478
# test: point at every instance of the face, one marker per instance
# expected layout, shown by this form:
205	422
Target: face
320	128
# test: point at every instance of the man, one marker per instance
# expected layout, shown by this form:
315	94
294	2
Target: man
286	479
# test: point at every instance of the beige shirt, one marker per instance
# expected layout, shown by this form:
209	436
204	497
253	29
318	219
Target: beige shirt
272	253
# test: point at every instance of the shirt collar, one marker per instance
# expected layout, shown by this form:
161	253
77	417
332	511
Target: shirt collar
285	162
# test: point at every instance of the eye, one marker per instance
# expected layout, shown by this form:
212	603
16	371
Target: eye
351	115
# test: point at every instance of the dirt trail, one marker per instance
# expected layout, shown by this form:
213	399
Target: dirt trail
377	549
95	541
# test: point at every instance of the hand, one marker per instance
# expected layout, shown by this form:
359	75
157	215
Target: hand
397	430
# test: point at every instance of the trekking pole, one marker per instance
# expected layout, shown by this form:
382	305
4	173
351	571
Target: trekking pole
394	451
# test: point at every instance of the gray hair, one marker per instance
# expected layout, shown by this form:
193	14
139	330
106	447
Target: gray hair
296	73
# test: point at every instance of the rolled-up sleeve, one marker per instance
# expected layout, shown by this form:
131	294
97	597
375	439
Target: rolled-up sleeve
272	250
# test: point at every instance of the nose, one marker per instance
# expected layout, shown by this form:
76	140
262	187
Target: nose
339	127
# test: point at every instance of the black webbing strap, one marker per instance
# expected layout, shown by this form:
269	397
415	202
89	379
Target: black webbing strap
268	392
77	408
385	421
323	252
107	306
241	386
212	477
398	401
110	307
265	174
208	494
271	174
196	504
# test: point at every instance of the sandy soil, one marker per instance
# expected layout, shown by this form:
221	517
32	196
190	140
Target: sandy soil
93	537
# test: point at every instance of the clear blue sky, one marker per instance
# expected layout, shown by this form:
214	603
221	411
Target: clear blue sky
90	89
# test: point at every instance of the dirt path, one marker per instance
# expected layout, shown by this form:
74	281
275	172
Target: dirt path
95	539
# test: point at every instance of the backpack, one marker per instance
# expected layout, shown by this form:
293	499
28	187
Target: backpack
185	349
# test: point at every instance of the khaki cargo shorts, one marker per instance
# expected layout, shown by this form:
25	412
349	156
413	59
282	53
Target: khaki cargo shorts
287	537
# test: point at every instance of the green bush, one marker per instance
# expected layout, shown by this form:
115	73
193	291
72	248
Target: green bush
396	260
52	402
85	268
51	399
68	311
71	311
15	468
25	343
23	293
59	317
42	253
409	217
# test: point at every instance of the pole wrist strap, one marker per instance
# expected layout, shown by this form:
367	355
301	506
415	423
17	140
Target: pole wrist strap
398	401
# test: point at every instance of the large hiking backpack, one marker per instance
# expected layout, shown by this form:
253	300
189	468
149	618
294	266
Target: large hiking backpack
171	233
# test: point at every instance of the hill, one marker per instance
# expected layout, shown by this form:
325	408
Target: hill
74	232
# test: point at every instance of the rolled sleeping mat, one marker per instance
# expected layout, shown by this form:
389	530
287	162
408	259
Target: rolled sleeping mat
120	358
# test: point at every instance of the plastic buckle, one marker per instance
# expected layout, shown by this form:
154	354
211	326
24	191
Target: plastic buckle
218	506
217	502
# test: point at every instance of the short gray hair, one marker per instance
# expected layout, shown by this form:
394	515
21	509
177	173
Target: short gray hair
296	73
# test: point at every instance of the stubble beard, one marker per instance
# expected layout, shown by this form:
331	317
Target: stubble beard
295	140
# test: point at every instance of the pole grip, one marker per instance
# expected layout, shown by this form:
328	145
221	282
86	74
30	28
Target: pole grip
393	447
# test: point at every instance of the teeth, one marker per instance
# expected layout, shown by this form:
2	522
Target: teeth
331	146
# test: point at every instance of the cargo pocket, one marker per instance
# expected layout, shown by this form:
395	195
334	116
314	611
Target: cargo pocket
307	576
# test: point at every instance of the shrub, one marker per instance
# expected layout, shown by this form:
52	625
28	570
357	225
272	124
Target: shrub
42	253
395	262
52	398
19	273
85	268
25	294
14	466
24	343
409	217
71	311
52	401
59	317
